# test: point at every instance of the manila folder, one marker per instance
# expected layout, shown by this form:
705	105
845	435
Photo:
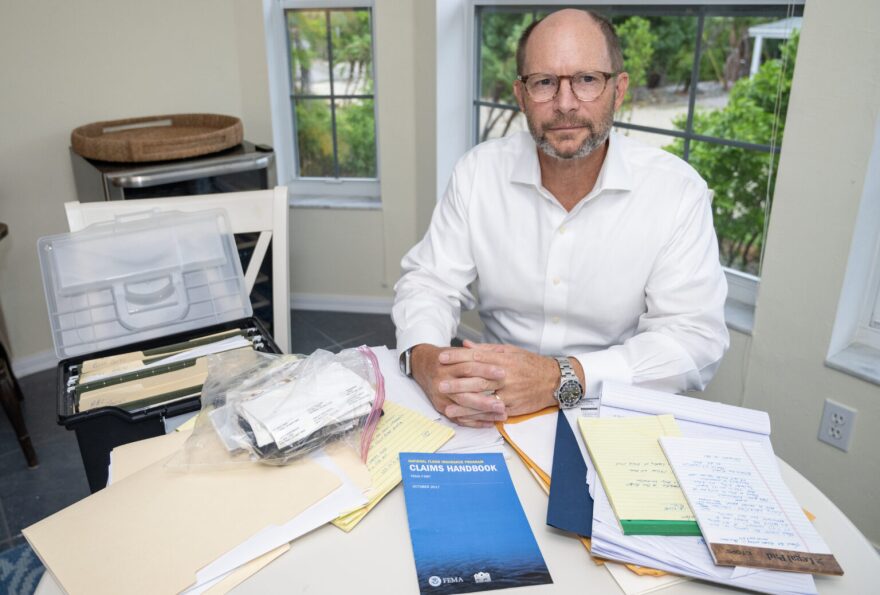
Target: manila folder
152	531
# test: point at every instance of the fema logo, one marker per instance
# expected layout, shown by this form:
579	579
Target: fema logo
434	581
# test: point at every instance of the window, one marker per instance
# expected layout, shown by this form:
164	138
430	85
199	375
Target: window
709	83
855	340
323	108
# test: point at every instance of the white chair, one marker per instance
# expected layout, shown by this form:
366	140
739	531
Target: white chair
263	211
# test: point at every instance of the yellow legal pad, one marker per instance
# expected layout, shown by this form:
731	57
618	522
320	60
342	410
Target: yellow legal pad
399	430
638	480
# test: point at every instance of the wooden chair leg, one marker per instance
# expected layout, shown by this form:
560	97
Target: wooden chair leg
10	397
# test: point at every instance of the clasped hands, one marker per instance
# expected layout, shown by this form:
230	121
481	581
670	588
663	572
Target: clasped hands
479	384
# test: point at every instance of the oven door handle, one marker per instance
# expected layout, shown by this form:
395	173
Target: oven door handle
171	175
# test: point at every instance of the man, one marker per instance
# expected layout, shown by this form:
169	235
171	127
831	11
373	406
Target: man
595	256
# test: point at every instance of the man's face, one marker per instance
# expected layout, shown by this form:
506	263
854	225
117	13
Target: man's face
566	127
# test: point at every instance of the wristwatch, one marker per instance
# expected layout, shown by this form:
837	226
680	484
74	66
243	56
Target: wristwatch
405	361
570	391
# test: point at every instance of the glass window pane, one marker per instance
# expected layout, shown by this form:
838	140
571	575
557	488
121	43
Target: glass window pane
356	137
661	141
314	137
352	40
737	95
307	36
658	56
500	32
739	179
496	122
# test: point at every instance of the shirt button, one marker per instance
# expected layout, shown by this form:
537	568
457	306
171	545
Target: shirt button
555	319
561	229
556	280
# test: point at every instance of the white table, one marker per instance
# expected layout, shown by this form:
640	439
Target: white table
377	557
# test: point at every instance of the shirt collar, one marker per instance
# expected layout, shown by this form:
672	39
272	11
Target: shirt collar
614	175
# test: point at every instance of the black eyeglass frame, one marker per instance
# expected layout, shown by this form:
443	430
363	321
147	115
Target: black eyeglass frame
559	77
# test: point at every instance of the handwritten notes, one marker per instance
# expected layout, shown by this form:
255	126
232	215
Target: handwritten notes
637	478
747	514
399	430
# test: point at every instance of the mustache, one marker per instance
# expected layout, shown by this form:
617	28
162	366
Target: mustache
563	122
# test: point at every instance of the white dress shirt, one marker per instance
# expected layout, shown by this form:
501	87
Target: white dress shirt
629	282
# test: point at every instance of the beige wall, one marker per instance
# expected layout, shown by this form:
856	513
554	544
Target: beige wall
67	64
828	139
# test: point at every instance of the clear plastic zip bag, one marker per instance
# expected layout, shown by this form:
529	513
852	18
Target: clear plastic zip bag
276	408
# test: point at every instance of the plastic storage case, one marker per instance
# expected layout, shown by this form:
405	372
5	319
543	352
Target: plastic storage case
135	284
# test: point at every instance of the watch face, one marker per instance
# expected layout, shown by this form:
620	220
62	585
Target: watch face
570	393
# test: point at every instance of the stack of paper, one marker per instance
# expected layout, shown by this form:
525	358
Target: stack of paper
570	507
683	555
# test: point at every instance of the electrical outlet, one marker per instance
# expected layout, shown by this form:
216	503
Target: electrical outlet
837	425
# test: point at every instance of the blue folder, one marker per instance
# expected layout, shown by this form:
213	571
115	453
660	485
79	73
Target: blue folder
570	507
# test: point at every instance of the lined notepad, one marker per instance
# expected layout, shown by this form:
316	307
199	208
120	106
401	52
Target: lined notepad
399	430
747	514
640	485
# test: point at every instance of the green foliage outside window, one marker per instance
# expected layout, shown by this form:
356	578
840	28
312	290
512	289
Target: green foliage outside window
743	179
637	42
334	120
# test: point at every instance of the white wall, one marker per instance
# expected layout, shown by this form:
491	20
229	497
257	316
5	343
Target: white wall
828	139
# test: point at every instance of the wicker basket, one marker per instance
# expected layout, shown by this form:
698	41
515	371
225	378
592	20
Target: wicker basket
157	138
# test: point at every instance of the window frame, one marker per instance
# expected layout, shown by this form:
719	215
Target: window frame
349	193
743	288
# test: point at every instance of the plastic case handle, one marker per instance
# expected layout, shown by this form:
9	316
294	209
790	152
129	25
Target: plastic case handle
151	302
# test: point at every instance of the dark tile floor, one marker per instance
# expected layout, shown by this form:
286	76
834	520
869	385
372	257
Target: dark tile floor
28	495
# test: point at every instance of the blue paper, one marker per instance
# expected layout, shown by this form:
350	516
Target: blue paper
570	507
466	524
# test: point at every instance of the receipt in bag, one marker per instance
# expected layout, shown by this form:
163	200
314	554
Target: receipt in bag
295	410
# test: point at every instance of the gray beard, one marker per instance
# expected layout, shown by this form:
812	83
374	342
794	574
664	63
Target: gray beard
594	140
590	144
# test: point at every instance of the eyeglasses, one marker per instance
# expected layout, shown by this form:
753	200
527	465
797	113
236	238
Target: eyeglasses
586	86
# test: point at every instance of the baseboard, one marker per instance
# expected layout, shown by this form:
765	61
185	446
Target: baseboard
30	364
360	304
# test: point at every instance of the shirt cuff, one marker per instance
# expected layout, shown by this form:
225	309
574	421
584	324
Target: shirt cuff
603	365
416	336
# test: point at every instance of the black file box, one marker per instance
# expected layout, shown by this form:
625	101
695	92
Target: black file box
100	430
133	284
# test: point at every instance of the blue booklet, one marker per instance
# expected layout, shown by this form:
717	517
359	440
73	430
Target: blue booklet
468	530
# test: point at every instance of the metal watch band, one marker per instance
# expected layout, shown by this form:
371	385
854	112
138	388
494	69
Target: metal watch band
565	368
